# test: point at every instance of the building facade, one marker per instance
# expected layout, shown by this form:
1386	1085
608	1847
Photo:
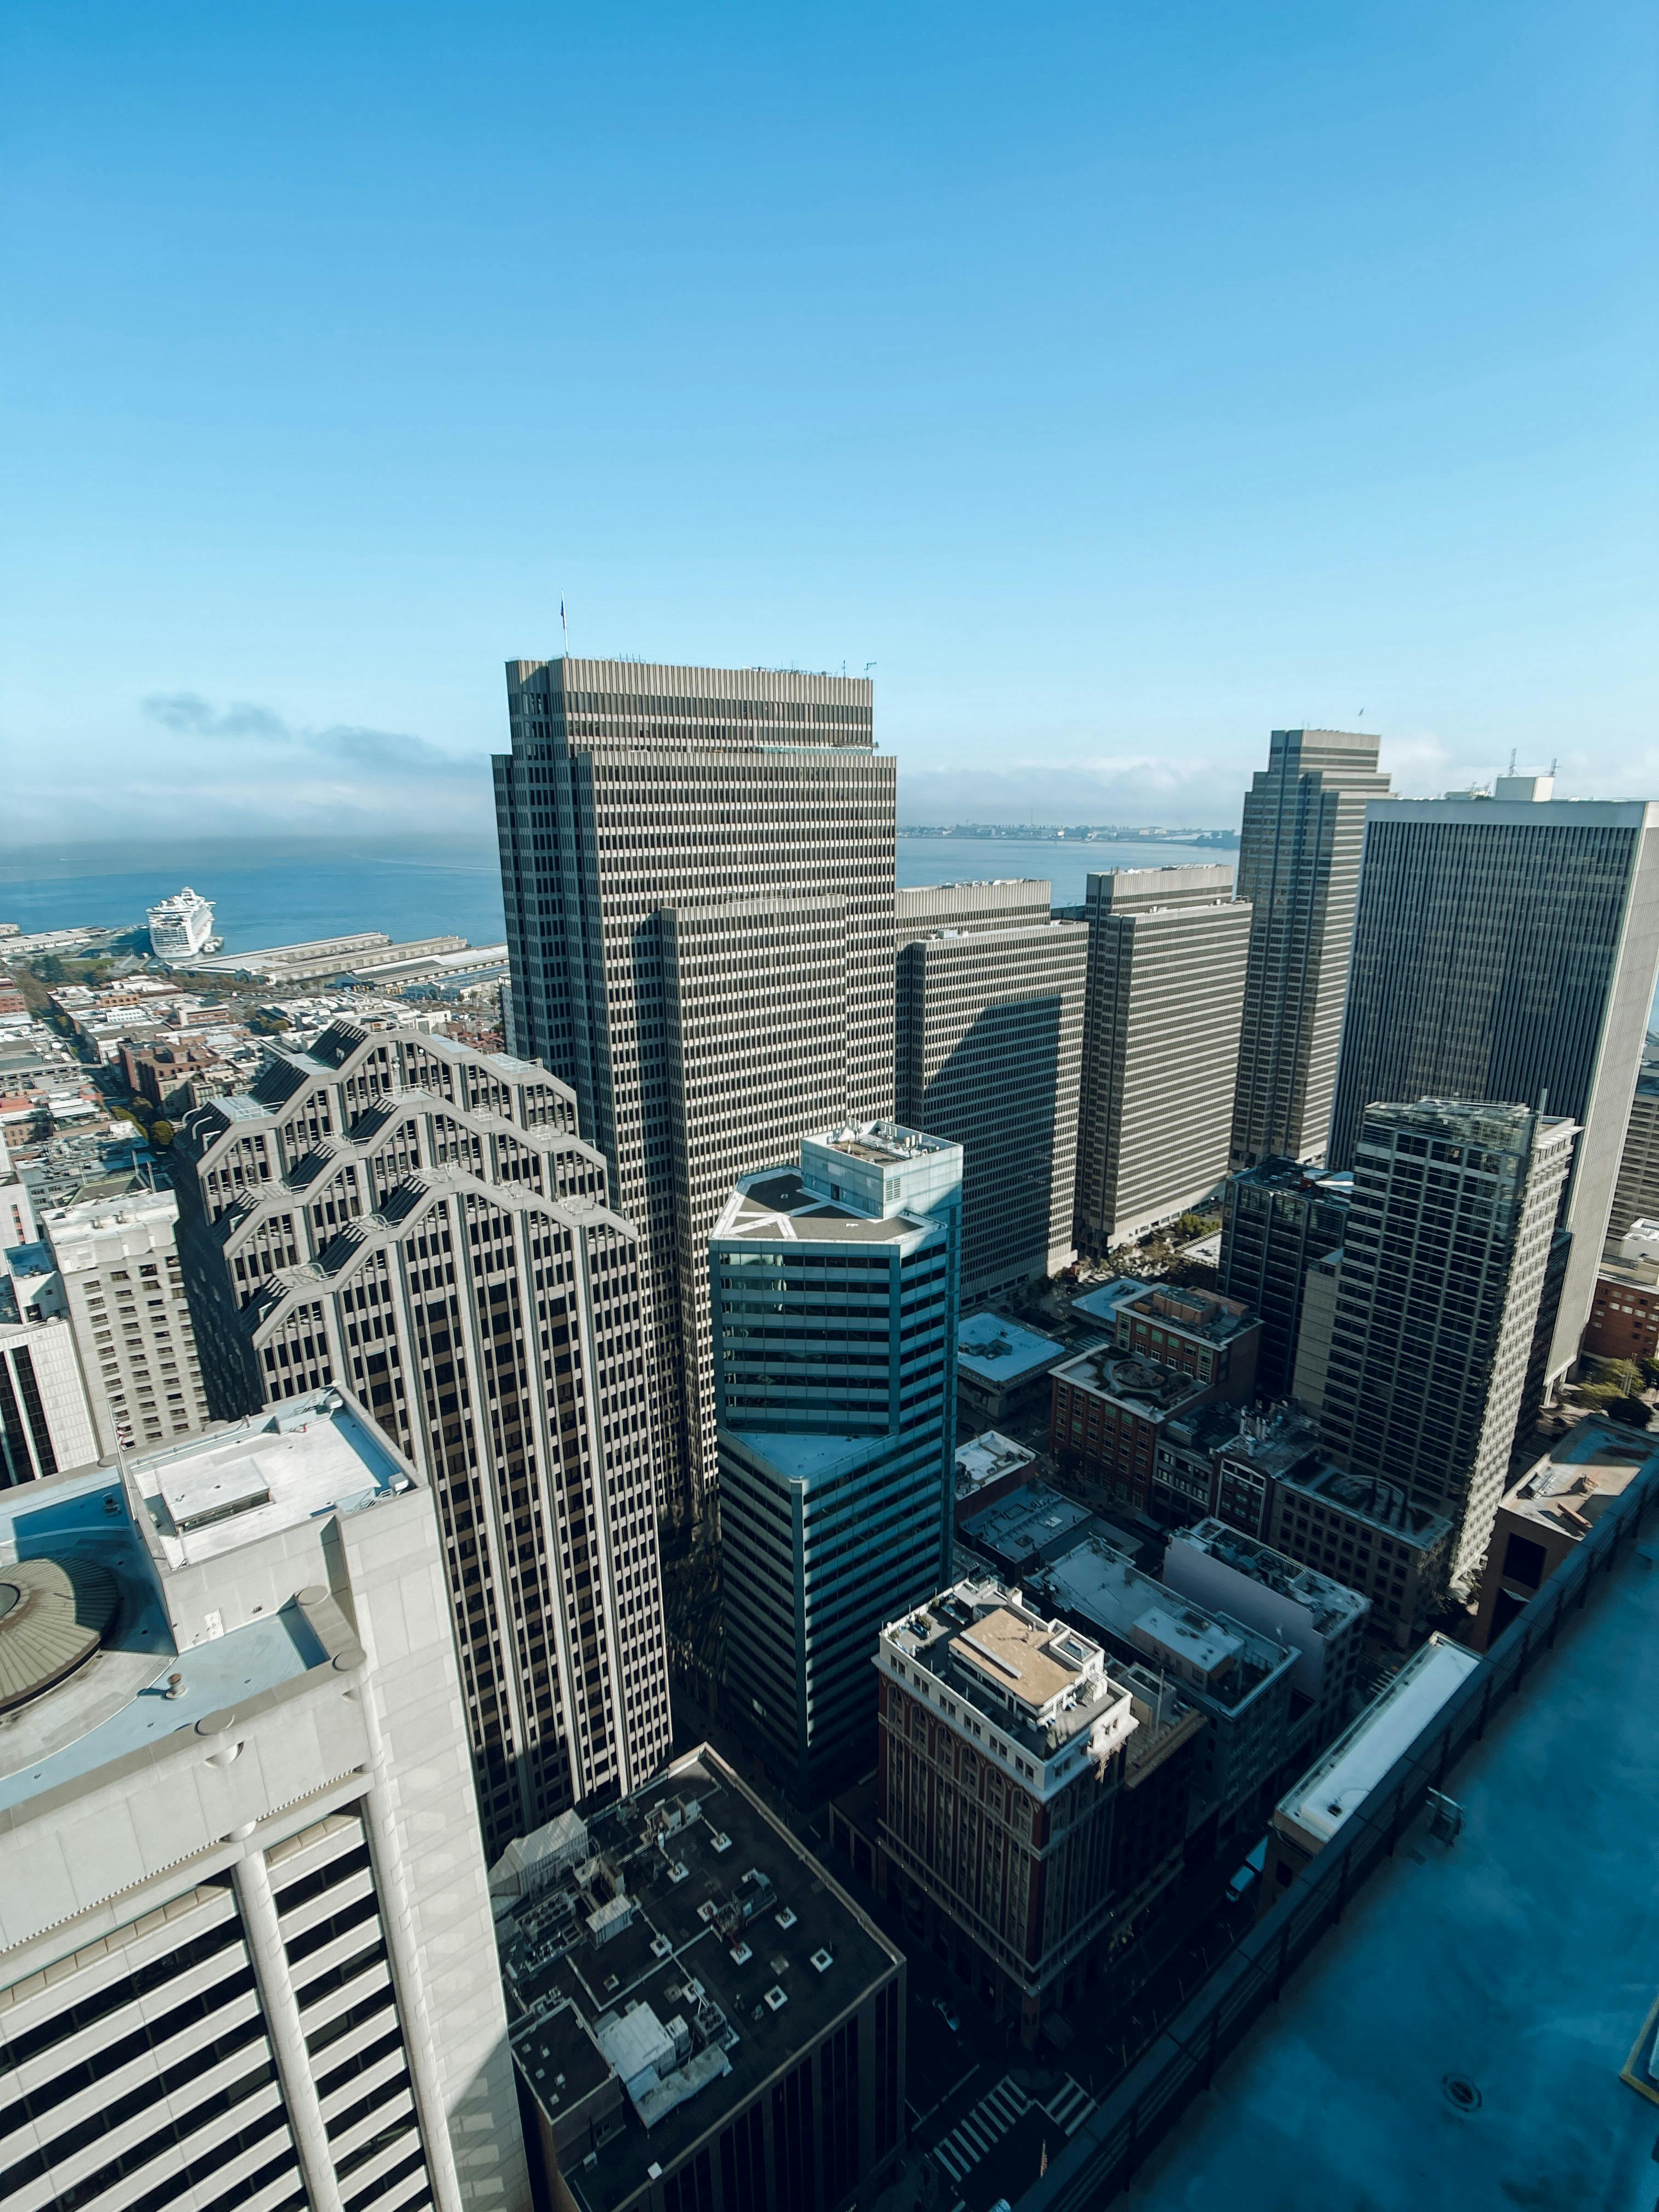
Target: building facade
1167	953
421	1225
1636	1191
117	1278
1437	1295
989	1025
46	1421
1031	1795
1507	948
1173	1350
1276	1219
834	1292
698	871
245	1933
1298	866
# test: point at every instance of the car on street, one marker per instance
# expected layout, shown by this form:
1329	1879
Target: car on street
950	2019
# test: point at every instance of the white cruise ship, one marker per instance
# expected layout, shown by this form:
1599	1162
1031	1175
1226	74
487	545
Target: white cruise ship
182	925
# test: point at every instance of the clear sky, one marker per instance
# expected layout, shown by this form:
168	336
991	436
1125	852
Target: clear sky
1121	379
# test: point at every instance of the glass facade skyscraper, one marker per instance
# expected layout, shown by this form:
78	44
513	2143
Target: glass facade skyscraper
834	1294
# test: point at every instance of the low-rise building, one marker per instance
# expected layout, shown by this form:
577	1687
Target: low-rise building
1174	1350
1186	1462
1032	1795
1240	1679
1015	1535
1548	1514
1321	1618
701	2019
1624	1323
988	1466
1001	1364
1371	1535
1309	1814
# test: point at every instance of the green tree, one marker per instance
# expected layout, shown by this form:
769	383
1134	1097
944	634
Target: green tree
161	1133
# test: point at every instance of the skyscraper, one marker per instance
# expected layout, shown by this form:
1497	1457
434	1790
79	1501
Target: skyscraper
698	865
46	1417
246	1957
835	1303
990	1043
422	1224
1160	1046
1507	948
1434	1301
1276	1219
1298	866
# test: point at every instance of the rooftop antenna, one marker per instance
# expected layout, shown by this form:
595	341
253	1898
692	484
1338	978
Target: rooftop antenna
565	628
869	665
1512	754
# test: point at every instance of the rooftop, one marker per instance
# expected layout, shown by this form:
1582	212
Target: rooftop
1040	1681
1131	1380
777	1205
1312	1812
1293	1177
1478	2027
997	1350
1205	1315
1208	1651
1384	1505
1572	1485
120	1694
884	1143
1035	1524
688	1953
1331	1604
986	1459
1102	1303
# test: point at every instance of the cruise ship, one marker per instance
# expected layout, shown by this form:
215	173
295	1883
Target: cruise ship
182	925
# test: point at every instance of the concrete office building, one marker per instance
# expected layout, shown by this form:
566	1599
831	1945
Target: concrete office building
1031	1793
1167	950
698	865
245	1933
701	2019
1636	1192
834	1309
989	1023
1276	1219
110	1267
1436	1293
1507	948
1298	866
1239	1678
421	1222
1321	1619
45	1418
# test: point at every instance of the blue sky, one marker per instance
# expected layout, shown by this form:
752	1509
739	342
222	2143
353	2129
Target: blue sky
1121	380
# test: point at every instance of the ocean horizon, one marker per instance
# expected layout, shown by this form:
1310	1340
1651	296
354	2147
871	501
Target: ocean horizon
283	890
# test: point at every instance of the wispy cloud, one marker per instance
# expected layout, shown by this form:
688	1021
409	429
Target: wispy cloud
190	715
187	713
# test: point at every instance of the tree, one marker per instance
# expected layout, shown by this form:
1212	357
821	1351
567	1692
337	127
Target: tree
268	1021
161	1133
51	969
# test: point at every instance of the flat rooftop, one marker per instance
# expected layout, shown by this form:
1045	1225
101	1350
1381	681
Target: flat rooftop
1205	1315
777	1205
1130	1380
1523	1960
996	1350
1573	1483
986	1459
1332	1604
213	1493
1032	1523
116	1701
1384	1505
1020	1657
1344	1776
728	1927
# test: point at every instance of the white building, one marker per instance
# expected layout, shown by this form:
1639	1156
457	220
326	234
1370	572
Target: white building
117	1278
245	1937
181	925
46	1419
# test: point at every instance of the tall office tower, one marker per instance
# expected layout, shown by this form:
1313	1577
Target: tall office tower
45	1419
1160	1046
1435	1299
990	1041
834	1302
422	1224
245	1957
698	865
112	1266
1636	1192
1276	1219
1508	948
1298	866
